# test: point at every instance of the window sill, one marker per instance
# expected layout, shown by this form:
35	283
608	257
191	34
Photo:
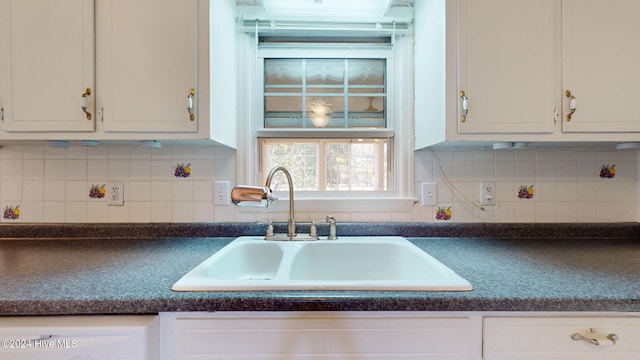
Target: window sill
344	204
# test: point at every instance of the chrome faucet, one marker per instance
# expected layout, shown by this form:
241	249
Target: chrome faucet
262	196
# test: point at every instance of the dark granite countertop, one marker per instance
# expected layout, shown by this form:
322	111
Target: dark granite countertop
129	269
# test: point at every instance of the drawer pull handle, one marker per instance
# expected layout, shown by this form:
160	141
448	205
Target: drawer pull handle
577	337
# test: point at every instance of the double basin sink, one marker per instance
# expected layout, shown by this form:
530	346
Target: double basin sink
349	263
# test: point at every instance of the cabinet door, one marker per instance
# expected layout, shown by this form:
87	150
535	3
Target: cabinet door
298	336
46	64
147	64
506	66
601	46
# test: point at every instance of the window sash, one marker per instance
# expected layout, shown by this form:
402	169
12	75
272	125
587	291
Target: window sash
310	103
325	173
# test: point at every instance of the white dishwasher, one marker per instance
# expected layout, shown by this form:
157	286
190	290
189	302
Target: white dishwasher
104	337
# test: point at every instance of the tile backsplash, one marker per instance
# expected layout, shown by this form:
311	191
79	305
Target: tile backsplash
175	184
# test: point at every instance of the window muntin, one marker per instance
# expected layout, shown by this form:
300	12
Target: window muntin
319	93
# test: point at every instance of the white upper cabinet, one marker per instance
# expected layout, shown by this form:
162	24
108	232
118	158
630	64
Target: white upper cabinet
601	47
147	65
506	66
47	65
509	63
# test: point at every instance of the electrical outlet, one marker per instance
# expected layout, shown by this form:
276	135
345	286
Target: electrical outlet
487	193
221	194
429	195
115	194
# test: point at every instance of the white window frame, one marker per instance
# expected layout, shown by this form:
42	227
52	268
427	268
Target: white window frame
399	107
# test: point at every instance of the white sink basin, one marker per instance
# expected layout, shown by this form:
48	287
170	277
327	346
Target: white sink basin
349	263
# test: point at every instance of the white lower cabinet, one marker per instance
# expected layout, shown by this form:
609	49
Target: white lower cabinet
317	335
79	337
561	337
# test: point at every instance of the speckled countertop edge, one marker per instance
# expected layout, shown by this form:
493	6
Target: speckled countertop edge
407	229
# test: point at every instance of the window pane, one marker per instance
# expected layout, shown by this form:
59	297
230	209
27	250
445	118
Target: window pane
301	159
353	166
283	72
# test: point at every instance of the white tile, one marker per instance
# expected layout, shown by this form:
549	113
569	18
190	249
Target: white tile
182	212
161	212
202	170
525	171
204	153
462	171
119	153
566	212
32	211
139	191
162	170
484	170
97	211
545	191
182	191
76	169
545	212
33	190
55	169
11	169
98	169
75	211
203	191
586	191
161	191
118	214
587	212
505	171
203	211
224	169
140	211
462	156
506	212
32	169
98	152
140	170
32	152
505	191
55	191
566	191
76	191
525	211
118	170
54	212
545	170
77	153
11	191
566	170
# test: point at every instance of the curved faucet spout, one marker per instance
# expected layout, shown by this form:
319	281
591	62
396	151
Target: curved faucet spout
291	225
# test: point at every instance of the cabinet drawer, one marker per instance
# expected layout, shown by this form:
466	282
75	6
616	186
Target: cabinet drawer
554	338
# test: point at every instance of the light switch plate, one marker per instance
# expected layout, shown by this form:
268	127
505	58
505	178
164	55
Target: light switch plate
221	195
429	195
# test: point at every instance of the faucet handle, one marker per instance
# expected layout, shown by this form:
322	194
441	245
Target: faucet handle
313	229
270	231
